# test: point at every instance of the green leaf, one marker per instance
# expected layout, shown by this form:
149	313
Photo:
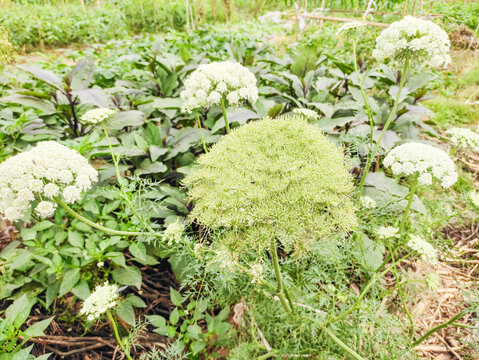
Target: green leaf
117	257
69	281
22	354
44	75
129	276
126	312
148	167
135	301
120	120
195	331
38	328
28	234
138	250
176	297
43	105
18	312
82	74
81	290
75	239
156	320
198	346
174	317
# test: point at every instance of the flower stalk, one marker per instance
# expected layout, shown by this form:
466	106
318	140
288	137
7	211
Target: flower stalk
391	117
94	225
223	109
117	335
200	126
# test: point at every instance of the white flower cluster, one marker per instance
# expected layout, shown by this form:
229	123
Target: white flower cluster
474	198
425	161
387	232
256	272
102	299
173	233
212	83
307	113
464	138
96	116
367	202
423	248
351	28
422	41
46	171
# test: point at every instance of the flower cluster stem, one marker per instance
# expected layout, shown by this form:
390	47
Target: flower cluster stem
369	112
117	335
223	109
279	281
94	225
412	191
119	178
391	117
200	126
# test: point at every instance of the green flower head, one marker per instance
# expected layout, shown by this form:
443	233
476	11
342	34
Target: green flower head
273	180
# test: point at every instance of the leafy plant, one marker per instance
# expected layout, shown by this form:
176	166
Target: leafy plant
194	330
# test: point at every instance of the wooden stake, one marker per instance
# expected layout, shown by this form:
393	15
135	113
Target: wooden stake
413	7
404	8
336	19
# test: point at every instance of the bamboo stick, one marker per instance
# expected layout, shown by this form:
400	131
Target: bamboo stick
371	12
337	19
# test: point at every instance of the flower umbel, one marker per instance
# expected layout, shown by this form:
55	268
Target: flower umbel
96	116
421	41
464	138
426	161
367	202
46	171
265	181
212	83
387	232
307	113
351	29
102	299
173	233
423	248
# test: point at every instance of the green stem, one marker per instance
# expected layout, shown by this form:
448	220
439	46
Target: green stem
432	331
200	126
279	280
453	150
400	293
391	117
342	345
363	93
223	108
119	178
267	355
369	285
100	227
117	335
447	217
113	156
412	190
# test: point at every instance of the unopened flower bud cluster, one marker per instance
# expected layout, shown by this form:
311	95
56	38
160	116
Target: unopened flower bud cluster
422	41
351	29
212	83
103	298
423	248
464	138
174	233
307	113
426	161
46	171
96	116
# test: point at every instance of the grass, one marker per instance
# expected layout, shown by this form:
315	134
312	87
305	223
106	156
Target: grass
457	100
